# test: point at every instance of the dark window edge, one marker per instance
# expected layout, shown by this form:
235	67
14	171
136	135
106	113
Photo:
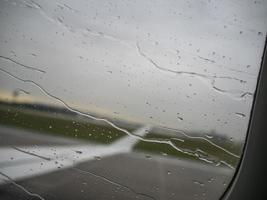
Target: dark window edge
249	181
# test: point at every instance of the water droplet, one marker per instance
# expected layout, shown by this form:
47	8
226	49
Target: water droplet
180	118
209	136
260	33
240	114
210	180
97	157
164	154
199	183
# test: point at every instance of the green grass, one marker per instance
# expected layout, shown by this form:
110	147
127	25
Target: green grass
50	123
191	145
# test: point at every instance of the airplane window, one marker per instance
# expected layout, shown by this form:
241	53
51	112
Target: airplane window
125	99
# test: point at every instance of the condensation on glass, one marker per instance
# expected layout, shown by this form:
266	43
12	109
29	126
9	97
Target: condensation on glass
125	99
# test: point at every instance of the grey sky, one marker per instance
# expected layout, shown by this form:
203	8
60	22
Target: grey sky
191	65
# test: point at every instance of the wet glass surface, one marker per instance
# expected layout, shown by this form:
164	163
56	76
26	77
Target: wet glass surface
125	99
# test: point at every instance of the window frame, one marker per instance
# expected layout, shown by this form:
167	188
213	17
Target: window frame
249	181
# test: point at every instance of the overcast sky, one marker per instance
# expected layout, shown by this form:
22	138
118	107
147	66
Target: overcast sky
190	65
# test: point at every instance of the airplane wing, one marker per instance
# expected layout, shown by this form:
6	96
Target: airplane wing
20	162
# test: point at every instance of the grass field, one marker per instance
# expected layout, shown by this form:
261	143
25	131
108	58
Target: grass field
199	146
52	122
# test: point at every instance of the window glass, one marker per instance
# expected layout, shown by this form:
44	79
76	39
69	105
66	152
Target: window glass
125	99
